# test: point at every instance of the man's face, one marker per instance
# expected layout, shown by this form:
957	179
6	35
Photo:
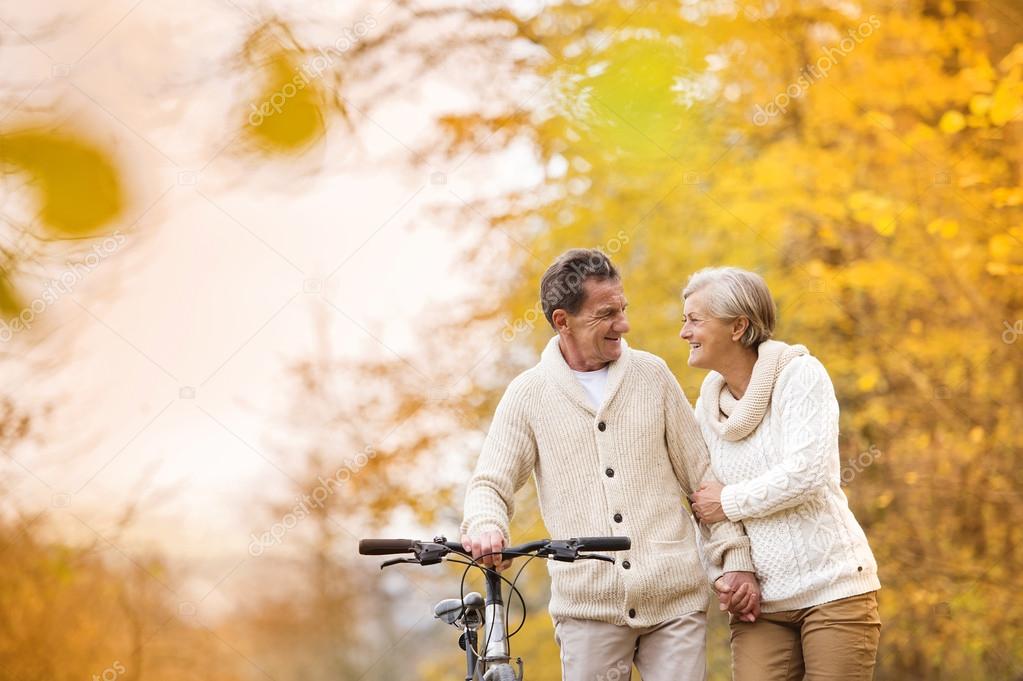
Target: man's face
594	333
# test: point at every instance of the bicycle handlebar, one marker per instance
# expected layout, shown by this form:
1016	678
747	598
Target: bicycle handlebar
385	547
604	543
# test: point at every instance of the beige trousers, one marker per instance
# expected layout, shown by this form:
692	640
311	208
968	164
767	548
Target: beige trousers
834	641
674	650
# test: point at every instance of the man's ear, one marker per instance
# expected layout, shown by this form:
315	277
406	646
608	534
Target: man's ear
560	318
739	327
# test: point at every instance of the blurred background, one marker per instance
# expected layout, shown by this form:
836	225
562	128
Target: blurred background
267	267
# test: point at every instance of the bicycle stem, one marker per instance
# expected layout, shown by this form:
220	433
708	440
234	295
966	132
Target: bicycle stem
494	627
471	661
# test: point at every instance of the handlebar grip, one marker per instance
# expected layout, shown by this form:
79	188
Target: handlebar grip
604	543
385	547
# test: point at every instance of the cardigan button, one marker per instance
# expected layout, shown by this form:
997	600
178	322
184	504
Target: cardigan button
618	517
859	568
602	426
610	472
626	564
632	612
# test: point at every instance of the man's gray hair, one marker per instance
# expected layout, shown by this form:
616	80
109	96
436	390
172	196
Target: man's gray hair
562	284
730	293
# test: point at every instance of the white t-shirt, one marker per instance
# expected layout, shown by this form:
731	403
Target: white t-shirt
594	383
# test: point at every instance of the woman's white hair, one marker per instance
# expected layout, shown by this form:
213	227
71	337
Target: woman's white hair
731	293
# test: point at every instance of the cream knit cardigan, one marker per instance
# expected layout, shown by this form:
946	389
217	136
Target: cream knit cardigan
783	481
621	469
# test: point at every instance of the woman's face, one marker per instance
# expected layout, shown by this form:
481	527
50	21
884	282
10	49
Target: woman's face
710	339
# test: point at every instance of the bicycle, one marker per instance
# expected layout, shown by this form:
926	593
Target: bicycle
471	612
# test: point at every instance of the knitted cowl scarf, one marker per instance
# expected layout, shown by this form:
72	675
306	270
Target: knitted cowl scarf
734	419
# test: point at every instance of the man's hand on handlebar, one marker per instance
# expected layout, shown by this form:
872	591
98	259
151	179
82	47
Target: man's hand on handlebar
486	548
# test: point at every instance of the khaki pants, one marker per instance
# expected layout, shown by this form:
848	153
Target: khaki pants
674	650
833	641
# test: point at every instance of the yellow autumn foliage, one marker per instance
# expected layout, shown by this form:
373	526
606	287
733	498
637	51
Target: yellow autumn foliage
867	160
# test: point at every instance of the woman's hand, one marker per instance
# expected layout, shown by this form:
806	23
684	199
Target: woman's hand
739	594
706	503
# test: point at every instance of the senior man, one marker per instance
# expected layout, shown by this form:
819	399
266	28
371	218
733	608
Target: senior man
614	447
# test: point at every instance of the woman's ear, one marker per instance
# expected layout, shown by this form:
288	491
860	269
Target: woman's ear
739	327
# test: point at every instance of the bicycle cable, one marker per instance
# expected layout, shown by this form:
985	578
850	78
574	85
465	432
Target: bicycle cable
518	574
513	589
471	563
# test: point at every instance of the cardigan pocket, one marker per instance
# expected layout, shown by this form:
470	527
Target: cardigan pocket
674	569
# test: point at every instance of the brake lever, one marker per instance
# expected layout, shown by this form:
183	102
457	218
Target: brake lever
431	554
596	556
560	550
395	561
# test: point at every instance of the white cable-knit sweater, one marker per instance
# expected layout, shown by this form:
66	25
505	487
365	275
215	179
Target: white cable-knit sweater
620	469
783	482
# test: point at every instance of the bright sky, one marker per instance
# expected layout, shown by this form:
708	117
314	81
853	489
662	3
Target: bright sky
166	364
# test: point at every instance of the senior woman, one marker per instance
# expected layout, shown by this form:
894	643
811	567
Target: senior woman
770	418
